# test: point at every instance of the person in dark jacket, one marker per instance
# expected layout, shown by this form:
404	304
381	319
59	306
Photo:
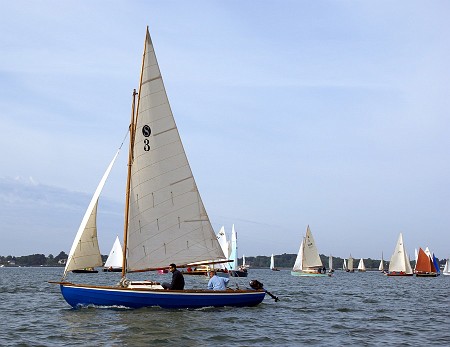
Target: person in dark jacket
177	279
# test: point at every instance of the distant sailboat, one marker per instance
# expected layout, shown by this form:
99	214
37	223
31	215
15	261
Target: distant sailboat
204	269
115	258
308	261
244	265
425	266
361	266
236	271
434	260
350	264
272	264
399	264
344	265
381	267
446	270
330	264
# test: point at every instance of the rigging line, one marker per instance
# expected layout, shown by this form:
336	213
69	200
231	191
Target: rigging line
124	138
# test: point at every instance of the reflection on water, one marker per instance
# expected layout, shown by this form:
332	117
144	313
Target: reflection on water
358	309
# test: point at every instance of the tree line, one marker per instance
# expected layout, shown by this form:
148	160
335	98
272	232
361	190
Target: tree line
261	261
37	260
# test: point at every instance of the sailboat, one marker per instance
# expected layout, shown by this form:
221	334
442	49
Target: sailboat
330	264
244	265
308	262
272	264
236	271
350	264
425	266
115	258
446	271
344	265
220	268
361	266
381	266
165	219
400	264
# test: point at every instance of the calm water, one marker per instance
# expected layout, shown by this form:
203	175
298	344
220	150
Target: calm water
364	309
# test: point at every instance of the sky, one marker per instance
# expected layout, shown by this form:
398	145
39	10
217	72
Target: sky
332	114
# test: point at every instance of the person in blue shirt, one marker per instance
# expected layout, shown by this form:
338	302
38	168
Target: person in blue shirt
216	282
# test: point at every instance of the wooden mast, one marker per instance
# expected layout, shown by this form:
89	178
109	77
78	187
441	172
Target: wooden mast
131	158
127	193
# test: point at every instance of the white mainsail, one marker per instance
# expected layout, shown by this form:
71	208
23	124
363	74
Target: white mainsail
233	254
446	270
85	251
344	265
167	222
272	262
428	252
224	244
115	257
399	260
361	266
330	262
298	265
381	266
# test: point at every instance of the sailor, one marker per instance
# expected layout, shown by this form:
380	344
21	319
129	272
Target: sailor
177	279
216	282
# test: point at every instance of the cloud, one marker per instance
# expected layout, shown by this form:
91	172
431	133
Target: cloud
38	218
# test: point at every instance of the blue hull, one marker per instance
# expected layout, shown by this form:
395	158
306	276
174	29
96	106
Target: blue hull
78	295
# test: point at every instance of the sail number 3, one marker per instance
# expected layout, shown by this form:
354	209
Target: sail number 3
146	131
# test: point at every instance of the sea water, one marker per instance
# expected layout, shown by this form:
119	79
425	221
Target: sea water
362	309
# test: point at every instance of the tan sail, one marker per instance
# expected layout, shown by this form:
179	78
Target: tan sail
168	222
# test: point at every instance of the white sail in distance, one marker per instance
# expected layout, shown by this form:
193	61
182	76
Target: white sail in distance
361	266
234	254
115	257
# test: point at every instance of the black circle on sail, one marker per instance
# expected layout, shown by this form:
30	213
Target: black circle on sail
146	131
